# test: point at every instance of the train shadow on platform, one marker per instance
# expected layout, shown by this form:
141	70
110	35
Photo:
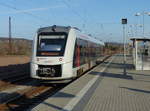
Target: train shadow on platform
105	74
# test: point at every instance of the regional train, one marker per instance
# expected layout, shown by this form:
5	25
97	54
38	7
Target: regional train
62	53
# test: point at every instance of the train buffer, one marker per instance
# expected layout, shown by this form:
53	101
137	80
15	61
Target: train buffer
104	88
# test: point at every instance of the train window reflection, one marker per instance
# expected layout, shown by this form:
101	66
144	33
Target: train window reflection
50	48
51	43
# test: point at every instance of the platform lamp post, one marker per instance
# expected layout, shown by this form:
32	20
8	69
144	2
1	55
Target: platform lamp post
124	22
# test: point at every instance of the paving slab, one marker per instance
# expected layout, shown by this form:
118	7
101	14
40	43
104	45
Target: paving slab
104	88
121	93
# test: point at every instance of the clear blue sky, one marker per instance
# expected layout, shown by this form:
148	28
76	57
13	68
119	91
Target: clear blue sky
101	18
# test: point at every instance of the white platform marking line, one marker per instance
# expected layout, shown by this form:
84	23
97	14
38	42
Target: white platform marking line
79	95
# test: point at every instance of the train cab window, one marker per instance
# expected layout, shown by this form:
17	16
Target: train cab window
51	44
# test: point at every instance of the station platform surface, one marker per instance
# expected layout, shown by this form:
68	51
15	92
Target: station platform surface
105	88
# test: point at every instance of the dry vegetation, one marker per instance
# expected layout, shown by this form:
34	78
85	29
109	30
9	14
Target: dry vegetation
112	48
19	47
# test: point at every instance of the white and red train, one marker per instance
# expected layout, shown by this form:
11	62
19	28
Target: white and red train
63	53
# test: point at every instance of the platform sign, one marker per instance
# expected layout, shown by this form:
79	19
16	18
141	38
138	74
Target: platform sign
124	21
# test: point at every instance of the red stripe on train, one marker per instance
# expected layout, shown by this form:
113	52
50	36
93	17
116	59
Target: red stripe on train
78	56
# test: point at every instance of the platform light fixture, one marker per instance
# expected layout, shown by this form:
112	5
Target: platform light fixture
143	14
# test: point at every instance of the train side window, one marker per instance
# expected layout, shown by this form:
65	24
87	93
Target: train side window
75	54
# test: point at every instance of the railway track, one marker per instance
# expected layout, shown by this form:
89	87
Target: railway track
6	70
18	90
13	80
16	78
26	99
11	75
29	97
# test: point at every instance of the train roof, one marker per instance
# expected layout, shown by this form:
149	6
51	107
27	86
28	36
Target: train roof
90	38
66	29
55	28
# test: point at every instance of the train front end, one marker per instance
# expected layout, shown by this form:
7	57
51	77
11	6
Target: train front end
51	59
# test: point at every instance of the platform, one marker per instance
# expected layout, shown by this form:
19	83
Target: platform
105	88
